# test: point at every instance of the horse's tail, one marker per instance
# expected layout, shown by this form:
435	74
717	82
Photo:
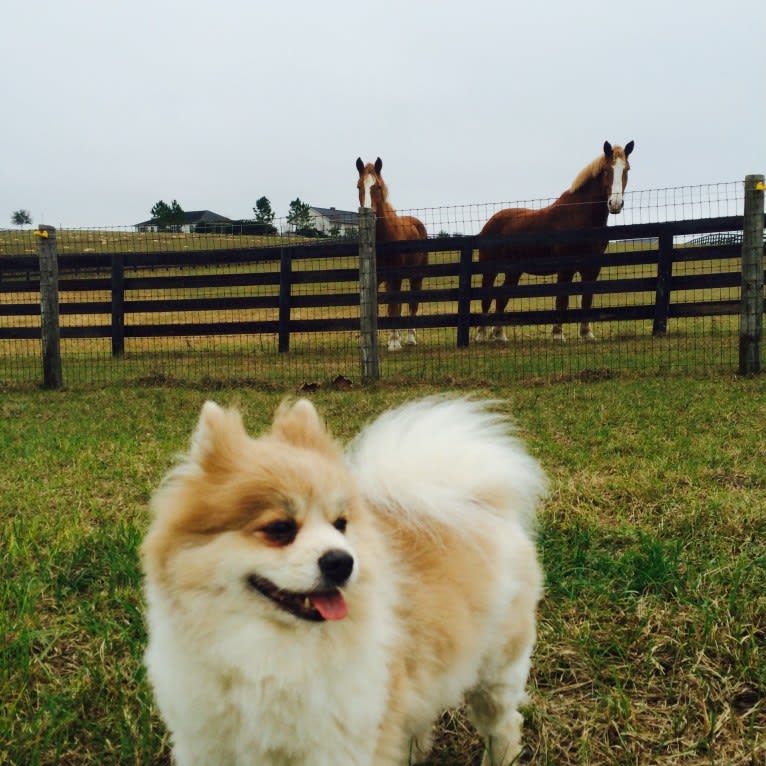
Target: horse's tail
441	460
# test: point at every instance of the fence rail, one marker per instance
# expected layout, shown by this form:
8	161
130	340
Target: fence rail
315	288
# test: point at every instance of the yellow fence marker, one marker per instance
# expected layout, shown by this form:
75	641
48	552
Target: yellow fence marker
43	234
760	186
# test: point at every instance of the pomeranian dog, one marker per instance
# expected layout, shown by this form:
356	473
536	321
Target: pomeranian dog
310	606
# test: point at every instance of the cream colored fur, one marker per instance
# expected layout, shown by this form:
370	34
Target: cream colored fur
439	502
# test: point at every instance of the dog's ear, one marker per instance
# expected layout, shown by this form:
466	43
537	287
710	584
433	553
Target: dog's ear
299	423
216	438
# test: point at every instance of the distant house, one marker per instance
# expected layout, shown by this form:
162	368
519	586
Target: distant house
195	220
338	223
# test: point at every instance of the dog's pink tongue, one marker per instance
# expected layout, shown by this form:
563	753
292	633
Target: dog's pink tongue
332	606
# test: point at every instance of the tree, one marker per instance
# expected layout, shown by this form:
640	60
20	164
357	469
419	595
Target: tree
176	212
21	217
299	217
161	210
167	215
264	215
263	211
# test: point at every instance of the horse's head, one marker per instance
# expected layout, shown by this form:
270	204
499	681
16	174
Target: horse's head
615	176
372	188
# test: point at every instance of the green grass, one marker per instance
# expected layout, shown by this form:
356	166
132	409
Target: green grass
697	346
651	636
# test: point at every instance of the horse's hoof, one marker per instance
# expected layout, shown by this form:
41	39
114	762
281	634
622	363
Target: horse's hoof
411	340
395	346
559	338
589	337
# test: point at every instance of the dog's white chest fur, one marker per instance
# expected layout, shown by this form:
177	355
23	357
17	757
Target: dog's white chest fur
251	698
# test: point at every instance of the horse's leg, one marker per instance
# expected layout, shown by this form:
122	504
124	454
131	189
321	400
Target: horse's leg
562	304
511	280
395	311
415	284
487	282
587	301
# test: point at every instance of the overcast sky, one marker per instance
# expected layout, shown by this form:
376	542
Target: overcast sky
108	106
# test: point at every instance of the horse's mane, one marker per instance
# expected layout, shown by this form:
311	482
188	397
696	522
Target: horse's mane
384	186
594	169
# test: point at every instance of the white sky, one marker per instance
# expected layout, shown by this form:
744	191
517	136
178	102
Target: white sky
107	106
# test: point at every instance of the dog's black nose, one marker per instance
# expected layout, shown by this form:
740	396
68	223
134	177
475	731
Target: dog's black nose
336	566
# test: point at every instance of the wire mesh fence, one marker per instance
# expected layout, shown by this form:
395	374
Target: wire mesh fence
207	307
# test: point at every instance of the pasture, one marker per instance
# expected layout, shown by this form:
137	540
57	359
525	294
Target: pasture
651	636
172	311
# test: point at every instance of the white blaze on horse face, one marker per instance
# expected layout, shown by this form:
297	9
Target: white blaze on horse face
369	182
615	201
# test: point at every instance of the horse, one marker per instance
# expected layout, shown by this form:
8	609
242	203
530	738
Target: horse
390	227
596	191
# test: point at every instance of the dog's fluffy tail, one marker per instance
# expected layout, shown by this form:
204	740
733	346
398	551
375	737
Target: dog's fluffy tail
440	459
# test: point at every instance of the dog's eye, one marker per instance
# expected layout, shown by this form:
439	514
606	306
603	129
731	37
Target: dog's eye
340	524
282	532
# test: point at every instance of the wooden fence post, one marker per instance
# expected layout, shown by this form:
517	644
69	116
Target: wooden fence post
368	297
664	280
285	288
751	303
118	304
49	307
464	296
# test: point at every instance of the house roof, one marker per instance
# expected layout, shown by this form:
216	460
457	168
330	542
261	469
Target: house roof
191	217
337	216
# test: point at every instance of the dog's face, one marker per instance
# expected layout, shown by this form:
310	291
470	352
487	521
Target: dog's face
258	526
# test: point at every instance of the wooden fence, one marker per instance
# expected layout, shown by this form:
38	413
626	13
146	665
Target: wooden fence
124	277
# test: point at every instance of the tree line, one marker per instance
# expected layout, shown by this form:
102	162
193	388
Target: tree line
298	216
170	215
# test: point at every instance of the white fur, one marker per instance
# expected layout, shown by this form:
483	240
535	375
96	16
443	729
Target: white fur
394	341
246	695
615	200
240	683
369	181
440	458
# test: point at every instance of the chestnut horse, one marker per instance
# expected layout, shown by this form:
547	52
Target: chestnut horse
596	191
390	227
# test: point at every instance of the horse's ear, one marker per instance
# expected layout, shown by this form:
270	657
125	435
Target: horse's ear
629	148
378	165
608	150
359	165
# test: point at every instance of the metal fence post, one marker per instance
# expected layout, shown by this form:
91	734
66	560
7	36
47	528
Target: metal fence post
49	307
751	303
368	297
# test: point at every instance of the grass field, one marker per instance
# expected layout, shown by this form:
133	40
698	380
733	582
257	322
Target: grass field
691	344
126	240
652	631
